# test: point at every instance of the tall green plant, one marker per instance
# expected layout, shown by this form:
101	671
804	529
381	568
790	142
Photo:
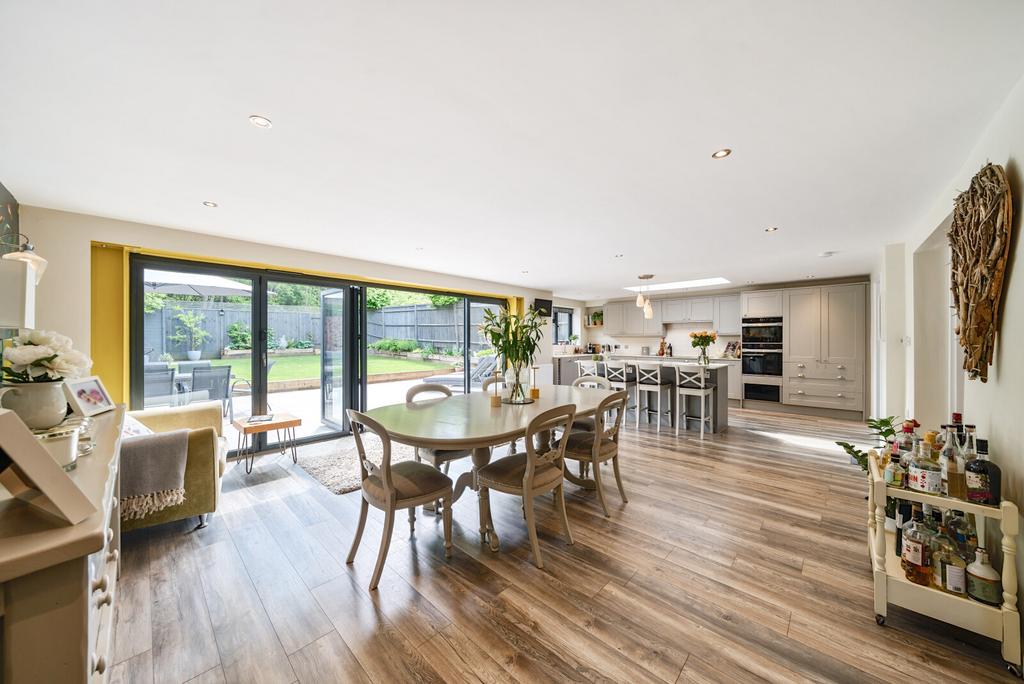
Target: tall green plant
882	429
190	332
516	338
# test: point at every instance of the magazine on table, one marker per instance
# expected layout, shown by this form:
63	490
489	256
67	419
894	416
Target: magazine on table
266	418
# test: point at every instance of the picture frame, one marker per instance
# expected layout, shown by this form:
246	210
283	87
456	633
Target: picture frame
88	396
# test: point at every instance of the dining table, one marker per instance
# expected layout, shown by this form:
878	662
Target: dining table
470	422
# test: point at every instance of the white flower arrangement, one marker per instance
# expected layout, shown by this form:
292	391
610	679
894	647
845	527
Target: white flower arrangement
43	356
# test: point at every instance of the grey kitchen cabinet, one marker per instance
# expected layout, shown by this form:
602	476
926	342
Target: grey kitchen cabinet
842	324
632	319
653	325
675	310
702	309
727	316
801	325
761	303
613	318
735	375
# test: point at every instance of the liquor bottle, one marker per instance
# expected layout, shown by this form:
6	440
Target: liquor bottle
948	568
916	559
983	582
906	441
924	473
958	428
984	478
954	482
970	450
895	475
962	530
903	514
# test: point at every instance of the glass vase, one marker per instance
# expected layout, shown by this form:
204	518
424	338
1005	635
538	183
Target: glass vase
702	357
516	390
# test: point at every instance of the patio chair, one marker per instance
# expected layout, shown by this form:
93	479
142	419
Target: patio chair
483	369
158	388
214	382
154	366
247	386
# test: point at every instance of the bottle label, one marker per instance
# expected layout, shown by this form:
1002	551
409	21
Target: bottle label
929	481
955	578
984	590
977	486
912	552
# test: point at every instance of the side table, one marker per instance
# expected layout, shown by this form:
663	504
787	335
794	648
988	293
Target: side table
246	436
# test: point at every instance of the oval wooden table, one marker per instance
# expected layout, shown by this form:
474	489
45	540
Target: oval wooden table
468	421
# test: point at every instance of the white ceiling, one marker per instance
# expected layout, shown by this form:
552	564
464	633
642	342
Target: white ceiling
503	137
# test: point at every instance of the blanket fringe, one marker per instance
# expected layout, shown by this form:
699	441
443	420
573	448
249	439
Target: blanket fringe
138	507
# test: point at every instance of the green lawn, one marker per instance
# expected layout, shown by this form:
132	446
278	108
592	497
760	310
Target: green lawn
306	367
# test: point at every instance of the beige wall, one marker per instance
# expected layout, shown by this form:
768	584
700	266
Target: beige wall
931	336
64	239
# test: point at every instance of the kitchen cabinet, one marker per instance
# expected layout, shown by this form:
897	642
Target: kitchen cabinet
654	325
727	316
702	309
675	310
735	373
632	319
634	323
613	318
801	325
842	324
761	303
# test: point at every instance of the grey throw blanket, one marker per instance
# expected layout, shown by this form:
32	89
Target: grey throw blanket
152	473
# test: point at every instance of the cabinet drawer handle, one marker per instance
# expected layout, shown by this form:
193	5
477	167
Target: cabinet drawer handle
101	584
115	503
113	556
110	535
840	377
799	391
99	664
800	365
840	395
105	600
841	367
801	375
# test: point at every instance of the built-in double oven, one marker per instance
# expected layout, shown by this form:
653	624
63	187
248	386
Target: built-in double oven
762	358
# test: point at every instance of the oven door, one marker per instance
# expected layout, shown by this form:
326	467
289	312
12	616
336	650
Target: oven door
757	334
762	362
759	392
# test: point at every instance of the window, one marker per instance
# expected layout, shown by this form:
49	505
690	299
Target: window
562	321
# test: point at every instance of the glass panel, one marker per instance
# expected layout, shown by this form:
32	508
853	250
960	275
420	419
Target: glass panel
197	341
412	337
305	356
482	359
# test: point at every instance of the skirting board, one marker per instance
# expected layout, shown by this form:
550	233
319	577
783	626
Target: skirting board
777	407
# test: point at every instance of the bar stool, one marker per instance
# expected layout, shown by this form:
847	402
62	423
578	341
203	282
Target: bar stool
648	382
621	376
586	368
692	381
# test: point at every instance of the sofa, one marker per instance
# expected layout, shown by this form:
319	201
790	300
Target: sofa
205	464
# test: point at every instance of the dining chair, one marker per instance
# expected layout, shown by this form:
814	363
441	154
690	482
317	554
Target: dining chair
649	381
586	423
601	445
622	376
436	457
531	473
215	382
692	380
158	388
392	488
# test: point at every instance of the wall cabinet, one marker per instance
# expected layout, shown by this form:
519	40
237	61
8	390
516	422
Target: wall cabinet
691	309
613	318
702	309
675	310
823	346
655	324
761	303
632	319
727	317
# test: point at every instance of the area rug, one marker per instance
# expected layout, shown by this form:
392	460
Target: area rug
335	463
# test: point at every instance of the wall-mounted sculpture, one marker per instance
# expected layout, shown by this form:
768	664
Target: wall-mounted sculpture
980	244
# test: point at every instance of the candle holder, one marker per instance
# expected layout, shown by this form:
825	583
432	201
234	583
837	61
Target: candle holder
534	389
495	397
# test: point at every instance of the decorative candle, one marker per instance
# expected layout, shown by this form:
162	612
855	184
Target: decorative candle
495	397
534	390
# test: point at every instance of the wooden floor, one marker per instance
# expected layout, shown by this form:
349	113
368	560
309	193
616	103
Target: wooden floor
737	559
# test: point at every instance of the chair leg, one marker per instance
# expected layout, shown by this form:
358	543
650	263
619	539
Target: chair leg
703	402
560	503
618	478
531	527
364	505
446	464
412	519
678	411
385	543
658	417
596	467
447	526
638	408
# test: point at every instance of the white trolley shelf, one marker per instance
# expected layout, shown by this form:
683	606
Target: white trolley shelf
892	586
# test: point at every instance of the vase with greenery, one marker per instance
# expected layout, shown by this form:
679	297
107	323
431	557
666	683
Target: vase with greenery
34	370
190	332
702	339
516	338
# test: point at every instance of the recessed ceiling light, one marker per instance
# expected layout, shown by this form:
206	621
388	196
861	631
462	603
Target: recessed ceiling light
826	254
809	276
208	203
679	285
419	249
525	272
260	121
721	154
750	282
771	229
618	256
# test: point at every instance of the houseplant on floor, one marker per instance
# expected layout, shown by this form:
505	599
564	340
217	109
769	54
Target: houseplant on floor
34	369
516	338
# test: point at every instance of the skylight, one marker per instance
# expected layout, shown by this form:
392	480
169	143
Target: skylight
680	285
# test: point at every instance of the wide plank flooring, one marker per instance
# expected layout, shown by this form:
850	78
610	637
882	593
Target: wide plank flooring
739	558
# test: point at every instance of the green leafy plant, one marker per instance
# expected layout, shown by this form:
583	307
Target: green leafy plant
153	301
573	339
597	318
166	358
486	352
882	429
190	330
239	336
441	301
376	298
517	339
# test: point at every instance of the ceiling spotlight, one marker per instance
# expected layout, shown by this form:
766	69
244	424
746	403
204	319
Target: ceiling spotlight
419	249
721	154
809	277
525	272
208	203
826	254
260	121
771	229
618	256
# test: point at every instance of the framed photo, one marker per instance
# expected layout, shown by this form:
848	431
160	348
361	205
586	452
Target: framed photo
87	396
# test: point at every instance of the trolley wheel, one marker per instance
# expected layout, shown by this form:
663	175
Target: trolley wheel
1015	669
880	619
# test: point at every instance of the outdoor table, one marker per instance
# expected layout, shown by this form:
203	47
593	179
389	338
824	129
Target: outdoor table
468	421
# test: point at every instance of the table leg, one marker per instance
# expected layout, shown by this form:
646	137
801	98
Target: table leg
249	451
295	451
580	480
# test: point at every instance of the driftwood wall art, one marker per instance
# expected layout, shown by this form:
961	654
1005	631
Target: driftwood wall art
980	242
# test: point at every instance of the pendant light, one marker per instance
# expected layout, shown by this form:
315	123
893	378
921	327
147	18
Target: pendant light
648	310
641	300
25	251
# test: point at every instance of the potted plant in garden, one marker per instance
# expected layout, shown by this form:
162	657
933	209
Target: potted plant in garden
516	338
702	339
191	332
34	369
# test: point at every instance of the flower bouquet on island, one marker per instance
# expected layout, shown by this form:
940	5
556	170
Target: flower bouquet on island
702	339
34	368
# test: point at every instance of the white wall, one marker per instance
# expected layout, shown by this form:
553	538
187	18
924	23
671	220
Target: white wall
63	297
